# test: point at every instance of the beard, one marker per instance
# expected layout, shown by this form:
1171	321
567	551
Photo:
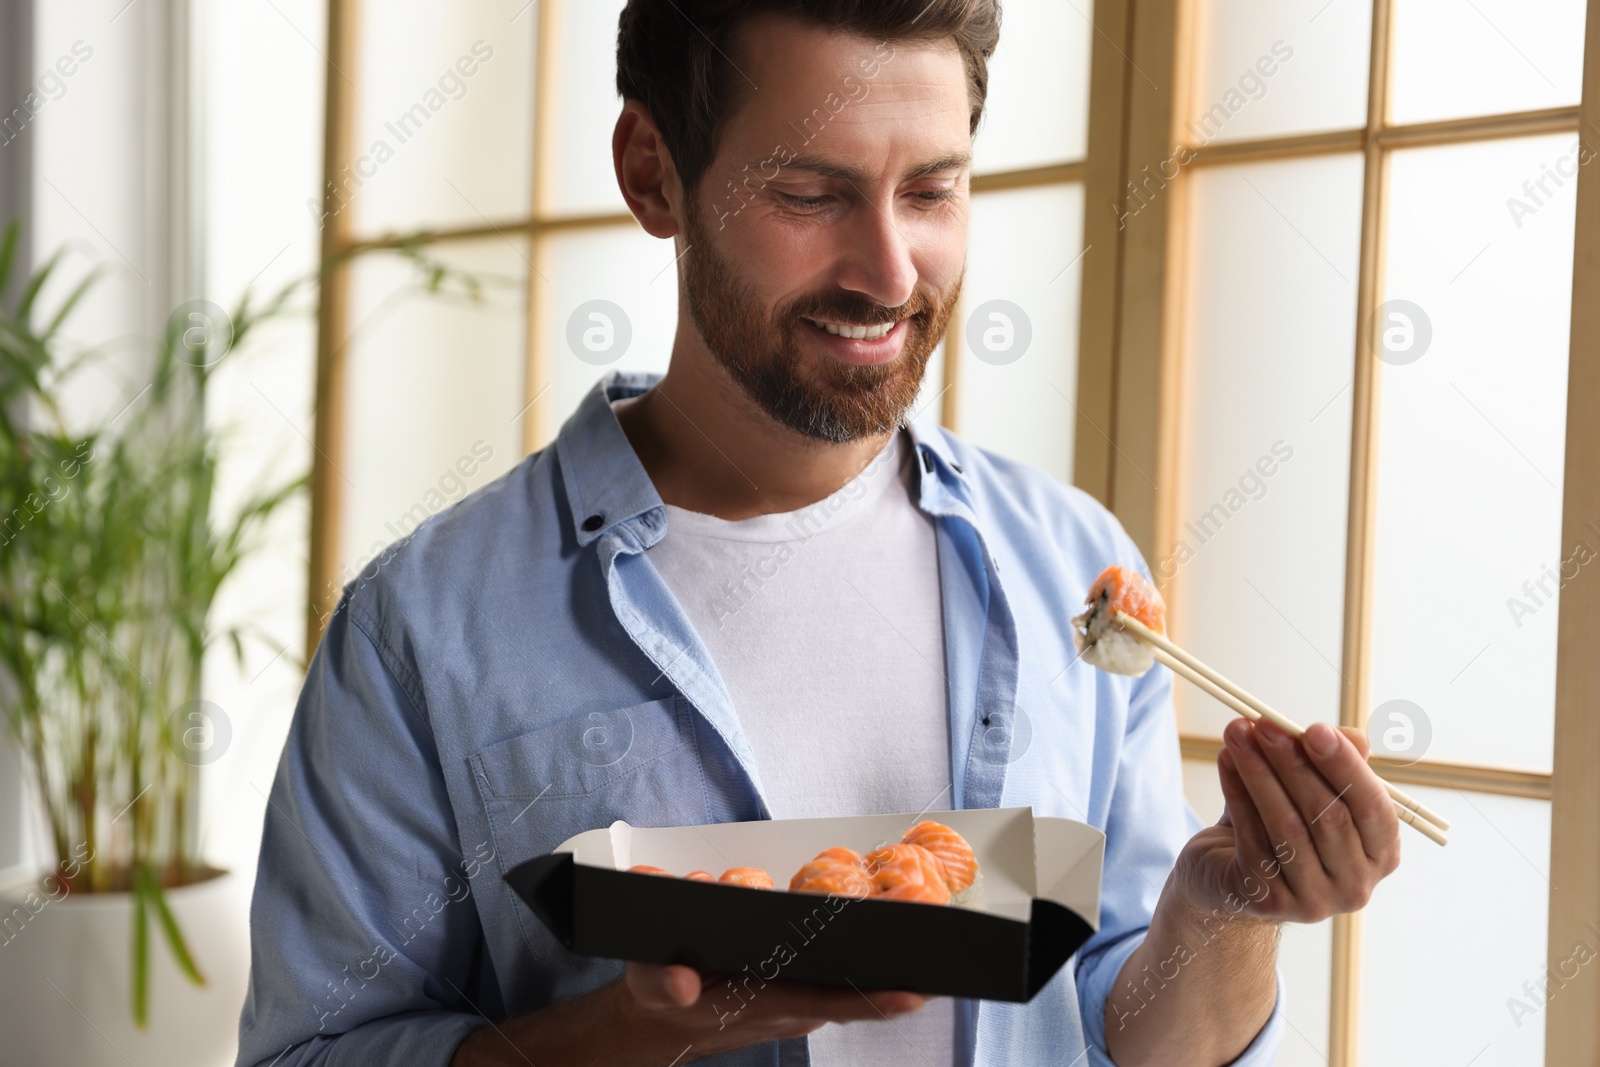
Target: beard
823	399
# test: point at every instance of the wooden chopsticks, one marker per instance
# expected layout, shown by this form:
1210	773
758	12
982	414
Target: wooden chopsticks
1411	811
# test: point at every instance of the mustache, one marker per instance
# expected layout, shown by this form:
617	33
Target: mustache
855	310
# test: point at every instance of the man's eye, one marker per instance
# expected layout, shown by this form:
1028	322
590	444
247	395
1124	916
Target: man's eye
935	196
803	201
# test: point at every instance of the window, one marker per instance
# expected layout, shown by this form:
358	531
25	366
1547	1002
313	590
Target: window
1288	285
1355	224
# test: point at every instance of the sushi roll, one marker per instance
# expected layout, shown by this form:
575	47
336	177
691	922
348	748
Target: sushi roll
908	872
839	879
917	894
840	871
700	876
1101	641
840	854
645	868
955	856
749	877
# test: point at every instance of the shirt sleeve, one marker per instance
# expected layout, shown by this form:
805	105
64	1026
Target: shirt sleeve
363	939
1148	823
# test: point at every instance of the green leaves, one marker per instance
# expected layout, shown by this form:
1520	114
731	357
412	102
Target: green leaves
112	553
174	936
141	955
8	249
113	550
148	899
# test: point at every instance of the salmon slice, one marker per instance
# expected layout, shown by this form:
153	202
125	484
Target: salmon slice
895	866
1126	590
749	877
838	879
836	870
1100	640
917	894
955	856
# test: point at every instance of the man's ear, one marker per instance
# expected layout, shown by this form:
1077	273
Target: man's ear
645	172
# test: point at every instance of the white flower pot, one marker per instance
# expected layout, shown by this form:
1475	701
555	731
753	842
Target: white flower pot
66	974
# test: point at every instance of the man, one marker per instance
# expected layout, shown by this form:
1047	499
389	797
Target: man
762	586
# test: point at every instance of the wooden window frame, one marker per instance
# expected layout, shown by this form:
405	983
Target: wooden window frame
1131	359
340	242
1129	407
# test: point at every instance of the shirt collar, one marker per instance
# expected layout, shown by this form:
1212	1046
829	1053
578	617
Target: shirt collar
605	482
948	487
607	485
930	439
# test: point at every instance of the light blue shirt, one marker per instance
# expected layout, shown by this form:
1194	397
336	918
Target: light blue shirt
515	672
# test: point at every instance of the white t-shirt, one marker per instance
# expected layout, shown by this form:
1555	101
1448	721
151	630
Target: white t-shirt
826	626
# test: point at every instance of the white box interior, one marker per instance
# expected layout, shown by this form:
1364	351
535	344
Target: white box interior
1020	856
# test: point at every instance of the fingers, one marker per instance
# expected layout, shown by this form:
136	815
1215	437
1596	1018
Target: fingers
1371	809
1320	790
804	1000
673	989
1254	843
1358	738
662	987
789	1009
1278	812
1319	800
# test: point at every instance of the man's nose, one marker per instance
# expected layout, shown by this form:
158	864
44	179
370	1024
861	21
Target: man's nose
877	257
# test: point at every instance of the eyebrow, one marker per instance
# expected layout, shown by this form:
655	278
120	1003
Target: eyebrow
828	168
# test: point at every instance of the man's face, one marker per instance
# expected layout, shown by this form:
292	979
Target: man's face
837	197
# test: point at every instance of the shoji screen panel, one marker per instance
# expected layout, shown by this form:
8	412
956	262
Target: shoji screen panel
1011	379
1423	292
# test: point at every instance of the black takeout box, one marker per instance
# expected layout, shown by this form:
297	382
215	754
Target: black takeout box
1036	902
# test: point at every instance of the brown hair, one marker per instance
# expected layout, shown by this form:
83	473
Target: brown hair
672	55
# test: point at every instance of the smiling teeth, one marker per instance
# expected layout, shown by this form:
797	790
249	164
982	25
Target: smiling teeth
856	333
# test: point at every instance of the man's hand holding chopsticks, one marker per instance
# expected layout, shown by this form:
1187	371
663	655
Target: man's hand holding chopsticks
1309	831
1308	817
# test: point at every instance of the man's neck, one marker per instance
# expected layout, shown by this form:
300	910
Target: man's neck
708	447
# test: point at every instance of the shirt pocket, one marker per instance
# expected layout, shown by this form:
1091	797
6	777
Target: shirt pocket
639	763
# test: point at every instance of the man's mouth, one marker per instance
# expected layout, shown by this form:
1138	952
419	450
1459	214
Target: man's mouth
853	331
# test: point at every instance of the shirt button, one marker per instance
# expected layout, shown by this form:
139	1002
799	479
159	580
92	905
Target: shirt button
593	523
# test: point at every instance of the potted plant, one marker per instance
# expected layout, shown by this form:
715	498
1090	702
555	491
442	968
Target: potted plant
111	556
112	552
